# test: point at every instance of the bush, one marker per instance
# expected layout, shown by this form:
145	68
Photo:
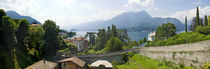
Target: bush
113	44
126	56
181	38
203	30
207	65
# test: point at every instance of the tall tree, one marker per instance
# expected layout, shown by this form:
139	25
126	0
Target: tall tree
114	31
22	31
2	13
113	44
123	36
92	37
197	21
34	41
8	42
109	32
51	37
201	22
185	23
101	39
209	19
165	31
205	21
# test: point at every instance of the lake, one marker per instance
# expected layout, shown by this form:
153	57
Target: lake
133	35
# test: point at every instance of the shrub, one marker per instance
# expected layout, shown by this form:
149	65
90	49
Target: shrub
181	38
113	44
203	30
207	65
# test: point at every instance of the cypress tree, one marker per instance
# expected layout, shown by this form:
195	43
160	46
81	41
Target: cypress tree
197	21
205	21
185	23
201	22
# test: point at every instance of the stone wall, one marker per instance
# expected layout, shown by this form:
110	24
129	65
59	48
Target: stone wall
195	54
90	58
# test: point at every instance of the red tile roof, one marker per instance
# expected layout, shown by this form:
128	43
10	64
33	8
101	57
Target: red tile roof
75	60
42	65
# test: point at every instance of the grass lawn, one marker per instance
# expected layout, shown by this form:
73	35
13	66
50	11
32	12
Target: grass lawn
143	62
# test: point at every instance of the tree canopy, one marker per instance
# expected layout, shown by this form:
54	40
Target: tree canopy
51	38
113	44
165	31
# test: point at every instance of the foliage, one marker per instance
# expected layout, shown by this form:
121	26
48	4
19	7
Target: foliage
181	38
103	36
8	35
197	21
165	31
22	31
101	39
8	42
92	38
51	38
209	19
207	65
126	56
114	31
203	30
114	64
185	23
123	36
109	32
144	62
113	44
131	44
29	48
34	42
71	34
205	21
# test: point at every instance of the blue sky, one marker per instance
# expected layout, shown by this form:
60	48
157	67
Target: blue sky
68	13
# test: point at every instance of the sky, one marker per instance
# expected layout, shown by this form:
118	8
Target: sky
68	13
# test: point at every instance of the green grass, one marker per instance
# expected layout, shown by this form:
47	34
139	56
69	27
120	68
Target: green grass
63	50
143	62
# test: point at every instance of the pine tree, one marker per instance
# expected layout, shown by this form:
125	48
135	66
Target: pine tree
185	23
205	21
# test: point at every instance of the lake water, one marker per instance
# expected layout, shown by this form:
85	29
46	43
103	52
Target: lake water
133	35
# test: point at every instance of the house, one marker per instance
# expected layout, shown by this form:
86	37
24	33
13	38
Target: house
35	24
101	64
72	63
43	64
80	42
151	36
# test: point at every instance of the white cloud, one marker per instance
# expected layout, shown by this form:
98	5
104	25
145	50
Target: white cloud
191	13
134	5
134	1
24	7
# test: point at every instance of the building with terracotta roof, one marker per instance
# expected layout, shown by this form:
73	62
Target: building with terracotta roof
35	24
80	42
43	64
101	64
72	63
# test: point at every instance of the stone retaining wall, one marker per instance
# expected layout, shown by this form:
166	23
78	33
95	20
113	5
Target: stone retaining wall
195	54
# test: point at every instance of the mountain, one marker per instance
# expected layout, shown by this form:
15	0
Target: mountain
132	21
14	14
